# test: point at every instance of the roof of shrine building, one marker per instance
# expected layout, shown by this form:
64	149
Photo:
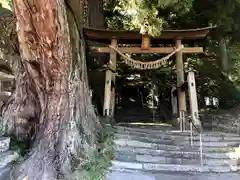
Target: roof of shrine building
134	37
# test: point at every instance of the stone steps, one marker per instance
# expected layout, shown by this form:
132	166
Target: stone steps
176	149
143	158
185	139
153	167
156	133
190	154
176	134
207	146
164	149
170	131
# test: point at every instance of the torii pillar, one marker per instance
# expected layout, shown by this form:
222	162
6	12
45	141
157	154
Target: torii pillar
113	58
180	81
109	92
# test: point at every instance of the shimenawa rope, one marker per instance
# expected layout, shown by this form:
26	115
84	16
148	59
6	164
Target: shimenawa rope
146	65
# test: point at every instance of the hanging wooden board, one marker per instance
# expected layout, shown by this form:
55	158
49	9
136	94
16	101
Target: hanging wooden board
193	99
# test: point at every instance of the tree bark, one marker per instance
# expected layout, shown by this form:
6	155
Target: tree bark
223	54
54	81
96	14
96	78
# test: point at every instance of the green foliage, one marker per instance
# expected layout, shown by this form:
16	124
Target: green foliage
6	3
234	56
221	13
7	30
97	167
144	15
22	147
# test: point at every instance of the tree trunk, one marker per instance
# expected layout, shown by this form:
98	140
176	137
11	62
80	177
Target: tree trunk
96	78
224	55
54	81
96	14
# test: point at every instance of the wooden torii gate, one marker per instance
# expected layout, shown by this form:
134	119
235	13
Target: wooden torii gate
116	37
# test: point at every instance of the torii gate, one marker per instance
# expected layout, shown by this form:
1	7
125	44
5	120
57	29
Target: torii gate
116	37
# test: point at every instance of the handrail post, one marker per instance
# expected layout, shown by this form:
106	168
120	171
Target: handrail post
200	138
238	129
201	149
182	121
181	124
191	134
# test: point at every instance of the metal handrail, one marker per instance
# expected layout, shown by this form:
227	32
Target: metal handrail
198	130
200	137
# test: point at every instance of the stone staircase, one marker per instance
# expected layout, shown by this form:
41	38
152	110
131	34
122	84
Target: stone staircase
154	153
6	158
